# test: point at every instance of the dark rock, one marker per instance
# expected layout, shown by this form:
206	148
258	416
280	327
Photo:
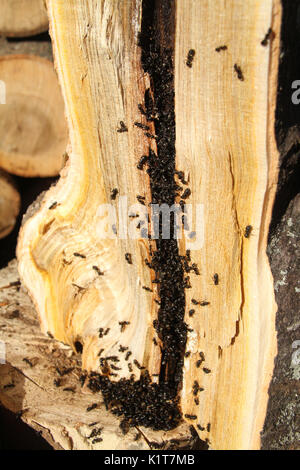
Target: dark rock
282	425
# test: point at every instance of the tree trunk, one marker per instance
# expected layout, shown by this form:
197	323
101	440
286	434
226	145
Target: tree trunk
167	102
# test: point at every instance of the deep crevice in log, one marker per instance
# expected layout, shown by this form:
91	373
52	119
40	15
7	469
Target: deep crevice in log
142	402
157	43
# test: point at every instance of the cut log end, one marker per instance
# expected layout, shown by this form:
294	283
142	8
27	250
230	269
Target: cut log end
21	18
10	203
33	130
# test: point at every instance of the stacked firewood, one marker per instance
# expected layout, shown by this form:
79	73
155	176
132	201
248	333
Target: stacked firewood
33	133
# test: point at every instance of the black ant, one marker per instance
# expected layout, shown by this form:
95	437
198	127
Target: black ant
122	128
221	48
268	36
190	58
239	72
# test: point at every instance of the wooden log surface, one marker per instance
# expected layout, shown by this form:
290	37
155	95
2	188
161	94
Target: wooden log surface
60	413
106	89
224	146
33	128
9	203
20	18
281	427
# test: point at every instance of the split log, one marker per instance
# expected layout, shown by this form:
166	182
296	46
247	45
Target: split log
97	294
20	18
9	204
33	130
225	127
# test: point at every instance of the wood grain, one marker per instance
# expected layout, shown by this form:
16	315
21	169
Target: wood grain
21	18
225	110
98	63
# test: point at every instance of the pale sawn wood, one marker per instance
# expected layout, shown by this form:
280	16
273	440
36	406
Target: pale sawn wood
21	18
225	145
33	129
